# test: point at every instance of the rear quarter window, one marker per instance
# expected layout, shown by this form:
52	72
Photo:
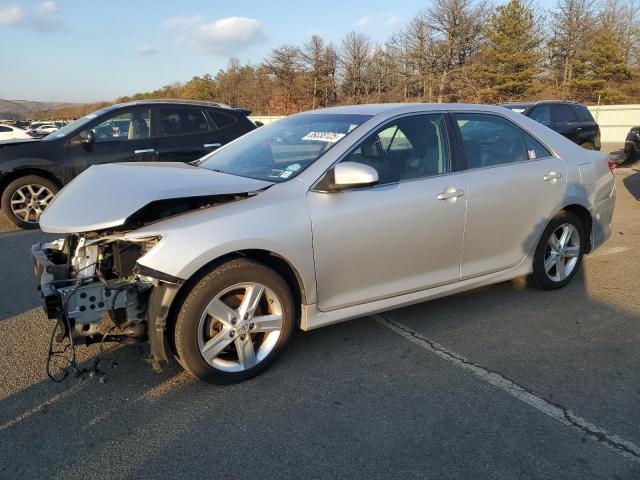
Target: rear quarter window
583	113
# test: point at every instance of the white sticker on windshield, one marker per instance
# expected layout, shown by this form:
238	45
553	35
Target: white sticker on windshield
532	154
330	137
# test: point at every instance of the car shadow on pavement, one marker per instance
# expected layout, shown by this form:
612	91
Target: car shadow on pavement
632	183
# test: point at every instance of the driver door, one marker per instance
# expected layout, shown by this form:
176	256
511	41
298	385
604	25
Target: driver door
124	136
402	235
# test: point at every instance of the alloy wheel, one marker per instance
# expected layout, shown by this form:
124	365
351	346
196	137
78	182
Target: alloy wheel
240	327
29	201
562	252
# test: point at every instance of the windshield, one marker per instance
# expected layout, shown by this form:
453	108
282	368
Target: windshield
64	131
281	150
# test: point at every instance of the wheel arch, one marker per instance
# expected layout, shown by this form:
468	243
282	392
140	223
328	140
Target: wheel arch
585	217
24	172
276	262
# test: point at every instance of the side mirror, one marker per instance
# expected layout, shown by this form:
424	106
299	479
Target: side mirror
86	137
353	175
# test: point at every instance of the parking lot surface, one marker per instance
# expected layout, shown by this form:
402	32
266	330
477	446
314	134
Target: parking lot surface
483	384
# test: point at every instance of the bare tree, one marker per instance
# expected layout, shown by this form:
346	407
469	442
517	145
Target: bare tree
284	63
457	27
320	60
354	58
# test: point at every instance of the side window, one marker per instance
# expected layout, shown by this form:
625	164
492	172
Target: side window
563	114
405	149
534	148
541	114
130	125
490	140
583	113
5	129
222	119
181	121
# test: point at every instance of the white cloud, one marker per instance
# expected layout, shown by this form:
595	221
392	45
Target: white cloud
146	50
363	22
182	21
221	37
11	15
43	19
392	21
48	7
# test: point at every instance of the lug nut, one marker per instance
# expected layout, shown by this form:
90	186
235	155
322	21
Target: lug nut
246	316
232	333
252	326
243	337
234	320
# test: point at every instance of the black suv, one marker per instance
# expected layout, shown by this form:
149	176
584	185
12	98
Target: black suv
632	145
573	120
32	171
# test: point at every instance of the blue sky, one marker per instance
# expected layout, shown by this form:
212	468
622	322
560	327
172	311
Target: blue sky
68	50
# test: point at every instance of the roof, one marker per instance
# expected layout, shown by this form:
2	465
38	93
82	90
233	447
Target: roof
177	101
400	108
538	102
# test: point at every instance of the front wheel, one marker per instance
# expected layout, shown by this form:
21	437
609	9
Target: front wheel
559	252
24	200
234	322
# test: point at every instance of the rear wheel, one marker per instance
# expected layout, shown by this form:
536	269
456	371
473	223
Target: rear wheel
25	199
234	323
559	252
588	145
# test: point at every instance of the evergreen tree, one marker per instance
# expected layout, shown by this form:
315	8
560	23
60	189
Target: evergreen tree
510	61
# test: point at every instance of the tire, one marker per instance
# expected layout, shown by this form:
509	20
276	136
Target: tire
224	291
548	272
27	214
588	145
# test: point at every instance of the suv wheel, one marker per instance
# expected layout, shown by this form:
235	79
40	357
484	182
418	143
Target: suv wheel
234	322
24	200
559	252
588	145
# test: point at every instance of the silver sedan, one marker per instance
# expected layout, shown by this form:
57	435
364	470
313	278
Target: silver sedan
317	218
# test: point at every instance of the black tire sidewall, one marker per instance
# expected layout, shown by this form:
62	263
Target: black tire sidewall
13	187
188	318
540	278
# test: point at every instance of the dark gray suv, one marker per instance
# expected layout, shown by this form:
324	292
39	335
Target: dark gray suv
571	119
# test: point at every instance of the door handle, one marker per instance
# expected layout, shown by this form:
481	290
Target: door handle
144	150
449	193
551	175
212	145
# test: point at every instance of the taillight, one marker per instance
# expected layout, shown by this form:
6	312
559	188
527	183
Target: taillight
612	166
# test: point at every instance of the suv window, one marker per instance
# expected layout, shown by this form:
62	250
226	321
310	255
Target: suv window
541	114
583	113
5	129
405	149
129	125
563	114
222	119
490	140
180	121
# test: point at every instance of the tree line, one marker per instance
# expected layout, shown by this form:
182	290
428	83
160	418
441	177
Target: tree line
452	51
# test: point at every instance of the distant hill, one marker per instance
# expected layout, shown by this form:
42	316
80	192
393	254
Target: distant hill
20	109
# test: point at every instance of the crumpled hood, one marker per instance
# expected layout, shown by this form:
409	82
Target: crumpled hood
104	196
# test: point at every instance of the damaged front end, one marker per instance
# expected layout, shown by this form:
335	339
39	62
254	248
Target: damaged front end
94	288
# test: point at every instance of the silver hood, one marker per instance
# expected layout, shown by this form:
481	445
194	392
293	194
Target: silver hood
104	196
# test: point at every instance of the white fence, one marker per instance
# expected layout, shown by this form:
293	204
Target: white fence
615	120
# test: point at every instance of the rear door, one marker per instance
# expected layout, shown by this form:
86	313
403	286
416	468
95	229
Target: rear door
587	130
514	184
565	121
121	136
184	133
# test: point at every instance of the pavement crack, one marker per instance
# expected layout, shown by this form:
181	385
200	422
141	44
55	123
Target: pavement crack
526	395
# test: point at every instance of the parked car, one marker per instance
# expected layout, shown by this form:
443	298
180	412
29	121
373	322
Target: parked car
31	172
571	119
632	145
44	130
8	132
317	218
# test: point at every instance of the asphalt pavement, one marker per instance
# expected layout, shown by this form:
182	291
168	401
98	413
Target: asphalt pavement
500	382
